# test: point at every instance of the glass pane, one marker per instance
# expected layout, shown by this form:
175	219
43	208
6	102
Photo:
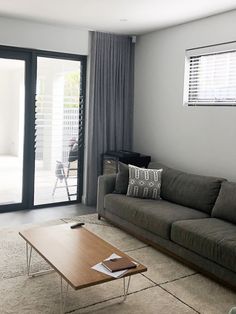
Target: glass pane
57	129
212	78
12	98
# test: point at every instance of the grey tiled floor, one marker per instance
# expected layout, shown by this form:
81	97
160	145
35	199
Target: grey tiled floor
38	215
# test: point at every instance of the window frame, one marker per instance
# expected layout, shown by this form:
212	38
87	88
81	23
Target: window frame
29	151
204	51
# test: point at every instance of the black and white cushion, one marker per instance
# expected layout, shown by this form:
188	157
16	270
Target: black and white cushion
144	183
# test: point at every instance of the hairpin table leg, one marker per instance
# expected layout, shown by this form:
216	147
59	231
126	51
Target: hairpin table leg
28	257
63	296
29	250
126	289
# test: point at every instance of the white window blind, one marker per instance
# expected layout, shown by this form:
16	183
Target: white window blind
210	77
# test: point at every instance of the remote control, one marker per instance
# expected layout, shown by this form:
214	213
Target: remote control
77	225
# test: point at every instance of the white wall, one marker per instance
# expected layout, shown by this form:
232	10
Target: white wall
15	108
11	110
200	140
4	114
20	33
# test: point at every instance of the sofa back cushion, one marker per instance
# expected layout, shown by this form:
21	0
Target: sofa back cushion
122	179
225	206
195	191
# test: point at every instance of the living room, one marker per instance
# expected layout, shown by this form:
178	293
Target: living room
148	77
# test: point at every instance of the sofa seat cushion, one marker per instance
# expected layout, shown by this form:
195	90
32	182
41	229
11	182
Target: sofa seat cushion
155	216
212	238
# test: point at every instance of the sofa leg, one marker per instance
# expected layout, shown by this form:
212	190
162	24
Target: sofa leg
99	217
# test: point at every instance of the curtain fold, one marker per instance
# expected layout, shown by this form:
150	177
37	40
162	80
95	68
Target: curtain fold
110	121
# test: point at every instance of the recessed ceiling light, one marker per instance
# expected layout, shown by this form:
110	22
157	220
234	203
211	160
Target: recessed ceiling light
123	20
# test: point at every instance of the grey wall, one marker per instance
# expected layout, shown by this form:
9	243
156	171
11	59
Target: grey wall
200	140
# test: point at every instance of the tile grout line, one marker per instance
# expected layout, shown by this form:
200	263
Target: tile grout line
134	292
149	279
139	248
173	280
112	298
180	300
159	285
120	296
165	282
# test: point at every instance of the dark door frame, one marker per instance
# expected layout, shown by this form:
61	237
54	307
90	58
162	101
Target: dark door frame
30	58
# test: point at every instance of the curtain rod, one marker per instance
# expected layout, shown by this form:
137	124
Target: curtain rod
212	45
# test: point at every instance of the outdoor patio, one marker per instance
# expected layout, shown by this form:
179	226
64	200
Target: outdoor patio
11	183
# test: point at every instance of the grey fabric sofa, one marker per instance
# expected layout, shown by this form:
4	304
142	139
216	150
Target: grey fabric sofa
195	221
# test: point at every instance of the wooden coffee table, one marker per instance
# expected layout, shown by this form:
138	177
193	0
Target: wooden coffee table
72	253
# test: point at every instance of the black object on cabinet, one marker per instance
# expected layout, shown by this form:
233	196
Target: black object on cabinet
110	160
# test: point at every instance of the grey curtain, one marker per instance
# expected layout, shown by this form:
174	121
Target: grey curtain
110	120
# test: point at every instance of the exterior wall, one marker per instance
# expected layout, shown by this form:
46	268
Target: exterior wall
11	117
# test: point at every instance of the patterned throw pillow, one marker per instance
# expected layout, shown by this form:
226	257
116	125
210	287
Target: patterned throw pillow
144	183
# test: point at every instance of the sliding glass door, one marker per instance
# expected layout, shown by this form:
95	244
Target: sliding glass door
41	129
57	130
14	76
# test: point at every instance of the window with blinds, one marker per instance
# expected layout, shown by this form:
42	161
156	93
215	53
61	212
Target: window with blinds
210	76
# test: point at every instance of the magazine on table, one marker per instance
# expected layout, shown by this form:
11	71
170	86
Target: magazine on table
116	274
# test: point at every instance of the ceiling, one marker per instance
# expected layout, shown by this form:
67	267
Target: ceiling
118	16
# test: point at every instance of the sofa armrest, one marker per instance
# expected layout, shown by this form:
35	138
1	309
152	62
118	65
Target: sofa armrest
106	185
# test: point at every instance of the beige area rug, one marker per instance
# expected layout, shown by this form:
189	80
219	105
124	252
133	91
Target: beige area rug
167	286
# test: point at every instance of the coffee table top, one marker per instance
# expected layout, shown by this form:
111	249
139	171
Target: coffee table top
72	253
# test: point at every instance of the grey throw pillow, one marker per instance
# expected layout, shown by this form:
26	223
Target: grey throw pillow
122	179
225	206
144	183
